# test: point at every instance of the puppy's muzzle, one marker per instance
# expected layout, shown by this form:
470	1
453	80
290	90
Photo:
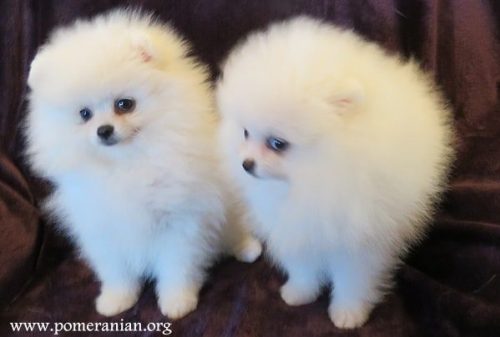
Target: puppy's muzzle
106	134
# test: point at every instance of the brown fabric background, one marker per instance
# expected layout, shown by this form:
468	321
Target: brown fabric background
449	286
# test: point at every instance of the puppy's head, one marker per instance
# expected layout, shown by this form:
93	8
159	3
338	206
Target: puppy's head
101	88
278	137
284	102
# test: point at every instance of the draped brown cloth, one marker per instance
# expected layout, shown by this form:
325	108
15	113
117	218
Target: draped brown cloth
448	286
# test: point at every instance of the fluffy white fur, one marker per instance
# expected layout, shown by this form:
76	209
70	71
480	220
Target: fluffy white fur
153	204
369	150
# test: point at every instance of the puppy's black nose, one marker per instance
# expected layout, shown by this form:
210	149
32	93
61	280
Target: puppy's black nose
248	165
105	131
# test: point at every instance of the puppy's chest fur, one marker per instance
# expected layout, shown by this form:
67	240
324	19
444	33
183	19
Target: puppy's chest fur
293	224
136	198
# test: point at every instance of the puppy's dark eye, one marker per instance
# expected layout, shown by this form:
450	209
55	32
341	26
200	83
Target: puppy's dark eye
86	114
245	133
124	105
276	144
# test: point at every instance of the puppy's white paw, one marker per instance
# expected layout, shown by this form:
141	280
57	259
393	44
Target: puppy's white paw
249	250
348	318
113	301
294	294
177	304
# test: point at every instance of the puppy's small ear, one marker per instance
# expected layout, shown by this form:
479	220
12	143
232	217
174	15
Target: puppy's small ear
348	95
36	73
143	47
33	74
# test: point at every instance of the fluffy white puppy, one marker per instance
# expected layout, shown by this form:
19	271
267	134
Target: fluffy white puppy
121	120
341	151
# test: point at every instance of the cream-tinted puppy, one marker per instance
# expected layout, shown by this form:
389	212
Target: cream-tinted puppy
121	121
341	151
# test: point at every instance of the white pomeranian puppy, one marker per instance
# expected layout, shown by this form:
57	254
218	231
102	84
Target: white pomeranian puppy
121	120
341	151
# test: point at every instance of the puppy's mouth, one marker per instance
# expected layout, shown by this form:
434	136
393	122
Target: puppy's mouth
110	141
253	174
119	140
264	177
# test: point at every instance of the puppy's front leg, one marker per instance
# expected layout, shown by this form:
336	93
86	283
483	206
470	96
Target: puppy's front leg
303	284
180	267
237	239
120	288
359	279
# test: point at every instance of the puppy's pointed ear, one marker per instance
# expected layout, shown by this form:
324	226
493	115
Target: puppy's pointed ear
347	96
36	73
143	48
